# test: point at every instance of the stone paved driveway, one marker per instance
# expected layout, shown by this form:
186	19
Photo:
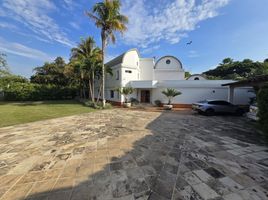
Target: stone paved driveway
127	155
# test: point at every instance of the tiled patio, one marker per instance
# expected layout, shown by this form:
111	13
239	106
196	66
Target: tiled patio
126	155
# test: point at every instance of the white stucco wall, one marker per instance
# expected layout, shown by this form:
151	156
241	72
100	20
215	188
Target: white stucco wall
146	69
168	75
174	64
205	90
131	59
172	71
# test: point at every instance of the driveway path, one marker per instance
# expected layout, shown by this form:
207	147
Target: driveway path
126	155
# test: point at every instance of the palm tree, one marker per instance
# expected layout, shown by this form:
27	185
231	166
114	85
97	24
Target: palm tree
125	91
88	57
108	18
170	93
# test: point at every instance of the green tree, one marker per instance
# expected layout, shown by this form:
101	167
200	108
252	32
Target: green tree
88	57
51	73
108	18
4	69
237	70
125	91
170	93
187	74
262	99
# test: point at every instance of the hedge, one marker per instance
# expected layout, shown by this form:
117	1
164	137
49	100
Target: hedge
35	92
262	100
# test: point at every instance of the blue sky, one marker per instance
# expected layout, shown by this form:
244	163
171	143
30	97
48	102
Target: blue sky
35	31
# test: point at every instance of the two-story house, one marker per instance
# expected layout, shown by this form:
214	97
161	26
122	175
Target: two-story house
149	78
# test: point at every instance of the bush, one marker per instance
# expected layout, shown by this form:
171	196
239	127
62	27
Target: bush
262	100
97	105
158	103
134	101
19	91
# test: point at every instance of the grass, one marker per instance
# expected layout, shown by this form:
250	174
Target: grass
12	113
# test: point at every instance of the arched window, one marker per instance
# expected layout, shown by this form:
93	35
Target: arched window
168	62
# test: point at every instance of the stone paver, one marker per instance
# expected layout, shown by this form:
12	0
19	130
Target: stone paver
133	155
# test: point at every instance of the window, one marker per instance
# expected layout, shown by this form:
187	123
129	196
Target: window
112	94
128	71
168	62
221	103
117	75
196	79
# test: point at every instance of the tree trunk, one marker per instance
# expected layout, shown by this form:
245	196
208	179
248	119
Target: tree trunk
90	90
99	93
103	44
93	85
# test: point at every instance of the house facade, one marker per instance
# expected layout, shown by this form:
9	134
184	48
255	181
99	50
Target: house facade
149	78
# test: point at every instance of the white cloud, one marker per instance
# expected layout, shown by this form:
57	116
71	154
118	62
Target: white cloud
75	25
150	49
193	54
69	4
166	20
7	26
35	15
22	50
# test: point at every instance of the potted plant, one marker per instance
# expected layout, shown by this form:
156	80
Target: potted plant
126	91
170	93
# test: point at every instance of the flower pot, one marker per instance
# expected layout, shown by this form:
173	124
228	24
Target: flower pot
127	105
168	107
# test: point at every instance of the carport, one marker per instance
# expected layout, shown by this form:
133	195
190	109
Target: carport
256	82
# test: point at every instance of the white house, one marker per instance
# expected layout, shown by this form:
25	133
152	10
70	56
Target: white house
149	78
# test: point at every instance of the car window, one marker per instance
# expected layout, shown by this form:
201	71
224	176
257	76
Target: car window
213	102
202	101
225	103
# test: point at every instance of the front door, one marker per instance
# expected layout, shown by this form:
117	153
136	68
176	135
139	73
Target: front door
145	96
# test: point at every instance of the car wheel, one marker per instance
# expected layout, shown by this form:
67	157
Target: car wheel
210	112
239	112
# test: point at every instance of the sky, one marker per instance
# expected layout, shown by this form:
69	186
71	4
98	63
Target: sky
36	31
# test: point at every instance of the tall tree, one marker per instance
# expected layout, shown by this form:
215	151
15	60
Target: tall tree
108	18
237	70
51	73
4	70
88	57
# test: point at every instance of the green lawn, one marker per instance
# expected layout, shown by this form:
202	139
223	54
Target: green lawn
12	113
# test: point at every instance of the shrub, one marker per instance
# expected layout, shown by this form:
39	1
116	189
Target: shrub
97	105
18	91
134	101
108	106
158	103
262	100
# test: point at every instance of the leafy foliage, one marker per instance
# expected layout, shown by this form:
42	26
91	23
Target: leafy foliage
262	99
158	103
237	70
4	70
36	92
97	105
187	74
170	93
51	73
86	64
125	91
108	18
